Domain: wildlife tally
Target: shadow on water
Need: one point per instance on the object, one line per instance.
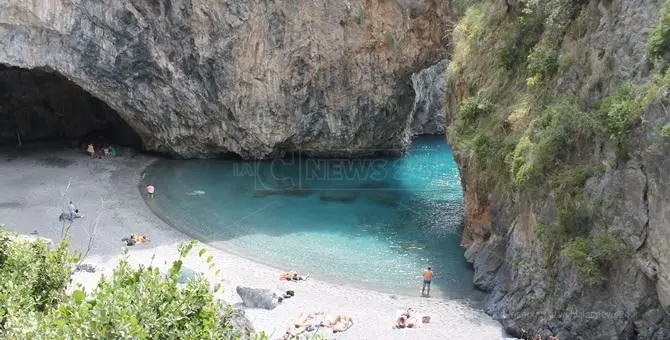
(399, 213)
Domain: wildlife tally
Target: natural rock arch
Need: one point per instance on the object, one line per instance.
(39, 105)
(199, 77)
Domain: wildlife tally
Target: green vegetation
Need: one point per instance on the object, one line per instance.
(665, 131)
(619, 112)
(589, 256)
(130, 304)
(522, 129)
(568, 183)
(573, 221)
(550, 139)
(658, 44)
(33, 279)
(472, 109)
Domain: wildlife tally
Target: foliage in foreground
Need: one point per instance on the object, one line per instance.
(130, 304)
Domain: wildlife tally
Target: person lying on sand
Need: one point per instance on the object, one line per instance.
(337, 322)
(300, 325)
(406, 318)
(292, 276)
(136, 238)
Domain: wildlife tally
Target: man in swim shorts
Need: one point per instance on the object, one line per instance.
(427, 277)
(150, 190)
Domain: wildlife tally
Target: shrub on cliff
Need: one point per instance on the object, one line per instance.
(590, 255)
(130, 304)
(658, 44)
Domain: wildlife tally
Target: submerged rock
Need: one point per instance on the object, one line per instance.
(337, 195)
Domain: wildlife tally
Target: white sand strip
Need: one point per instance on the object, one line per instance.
(37, 185)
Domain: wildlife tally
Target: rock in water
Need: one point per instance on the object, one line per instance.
(254, 78)
(428, 117)
(258, 298)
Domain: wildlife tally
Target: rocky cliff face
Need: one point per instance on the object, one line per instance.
(257, 78)
(428, 116)
(537, 258)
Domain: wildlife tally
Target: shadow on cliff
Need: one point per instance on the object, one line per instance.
(42, 108)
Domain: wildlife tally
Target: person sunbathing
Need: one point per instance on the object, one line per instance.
(406, 319)
(300, 325)
(136, 238)
(292, 276)
(338, 322)
(411, 322)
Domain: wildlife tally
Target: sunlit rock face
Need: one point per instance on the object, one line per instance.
(428, 116)
(257, 78)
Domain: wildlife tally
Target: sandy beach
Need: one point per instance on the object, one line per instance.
(37, 185)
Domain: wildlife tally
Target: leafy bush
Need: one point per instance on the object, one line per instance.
(543, 61)
(519, 41)
(130, 304)
(34, 279)
(665, 131)
(619, 112)
(659, 39)
(141, 304)
(589, 256)
(566, 182)
(574, 221)
(558, 131)
(474, 108)
(575, 218)
(578, 253)
(521, 163)
(608, 247)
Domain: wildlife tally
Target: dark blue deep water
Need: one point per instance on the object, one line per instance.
(369, 222)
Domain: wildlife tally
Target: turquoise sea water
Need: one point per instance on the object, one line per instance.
(373, 222)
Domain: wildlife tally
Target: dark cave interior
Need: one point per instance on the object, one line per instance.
(39, 106)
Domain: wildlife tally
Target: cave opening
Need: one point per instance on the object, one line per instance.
(38, 106)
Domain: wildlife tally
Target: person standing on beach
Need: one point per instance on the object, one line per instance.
(72, 210)
(91, 150)
(150, 190)
(427, 277)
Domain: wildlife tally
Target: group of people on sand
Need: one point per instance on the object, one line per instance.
(292, 276)
(305, 322)
(101, 150)
(407, 319)
(136, 238)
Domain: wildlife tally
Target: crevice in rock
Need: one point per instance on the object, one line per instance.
(645, 199)
(41, 106)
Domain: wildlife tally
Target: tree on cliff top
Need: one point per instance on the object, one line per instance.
(130, 304)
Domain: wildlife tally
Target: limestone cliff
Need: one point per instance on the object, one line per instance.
(197, 78)
(428, 116)
(558, 113)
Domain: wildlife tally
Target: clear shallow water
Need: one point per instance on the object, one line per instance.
(375, 222)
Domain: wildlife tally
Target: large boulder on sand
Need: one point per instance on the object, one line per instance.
(258, 298)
